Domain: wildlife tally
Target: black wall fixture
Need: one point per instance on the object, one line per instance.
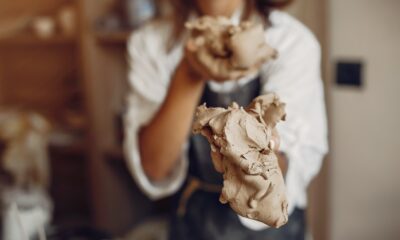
(349, 73)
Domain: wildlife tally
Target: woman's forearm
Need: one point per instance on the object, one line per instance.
(162, 140)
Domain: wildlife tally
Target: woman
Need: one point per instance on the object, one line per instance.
(166, 88)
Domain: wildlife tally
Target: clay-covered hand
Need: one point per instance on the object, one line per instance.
(222, 51)
(243, 148)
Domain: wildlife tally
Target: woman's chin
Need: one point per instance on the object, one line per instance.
(218, 7)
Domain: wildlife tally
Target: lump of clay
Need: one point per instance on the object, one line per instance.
(225, 51)
(242, 149)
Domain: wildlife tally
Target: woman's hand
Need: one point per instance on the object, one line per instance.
(205, 63)
(220, 51)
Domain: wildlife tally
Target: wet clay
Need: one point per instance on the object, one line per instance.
(243, 144)
(225, 51)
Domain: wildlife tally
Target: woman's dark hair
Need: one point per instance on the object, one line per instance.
(181, 10)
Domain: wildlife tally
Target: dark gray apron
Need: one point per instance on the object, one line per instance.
(205, 218)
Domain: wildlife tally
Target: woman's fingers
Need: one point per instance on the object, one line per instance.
(265, 53)
(216, 68)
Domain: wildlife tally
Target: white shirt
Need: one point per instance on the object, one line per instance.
(295, 76)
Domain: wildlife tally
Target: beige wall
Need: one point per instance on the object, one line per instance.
(365, 184)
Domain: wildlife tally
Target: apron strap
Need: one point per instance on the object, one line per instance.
(193, 185)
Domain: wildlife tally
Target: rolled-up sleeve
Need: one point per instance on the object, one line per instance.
(148, 80)
(296, 77)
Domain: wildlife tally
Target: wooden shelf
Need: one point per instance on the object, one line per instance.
(113, 37)
(34, 40)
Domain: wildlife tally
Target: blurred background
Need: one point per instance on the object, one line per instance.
(63, 77)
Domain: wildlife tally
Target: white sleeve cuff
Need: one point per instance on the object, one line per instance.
(252, 224)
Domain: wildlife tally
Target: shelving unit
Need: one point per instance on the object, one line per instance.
(30, 39)
(45, 75)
